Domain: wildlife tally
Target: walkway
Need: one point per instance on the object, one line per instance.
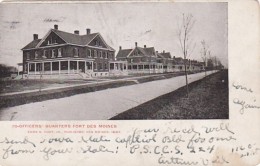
(99, 105)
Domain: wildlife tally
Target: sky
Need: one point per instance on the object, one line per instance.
(154, 24)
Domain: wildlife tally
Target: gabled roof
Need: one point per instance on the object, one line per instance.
(74, 38)
(165, 55)
(69, 38)
(149, 50)
(178, 60)
(32, 44)
(123, 53)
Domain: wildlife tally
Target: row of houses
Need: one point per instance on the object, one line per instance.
(88, 55)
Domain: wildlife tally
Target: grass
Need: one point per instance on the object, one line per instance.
(37, 96)
(208, 99)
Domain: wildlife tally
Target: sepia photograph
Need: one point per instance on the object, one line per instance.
(114, 61)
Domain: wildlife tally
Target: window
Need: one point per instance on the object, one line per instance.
(76, 52)
(92, 53)
(100, 54)
(27, 55)
(52, 53)
(95, 53)
(89, 53)
(36, 55)
(100, 66)
(44, 54)
(59, 52)
(106, 66)
(105, 55)
(95, 65)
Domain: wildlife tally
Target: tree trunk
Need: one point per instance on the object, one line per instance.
(186, 75)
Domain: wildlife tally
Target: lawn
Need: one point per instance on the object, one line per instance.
(208, 99)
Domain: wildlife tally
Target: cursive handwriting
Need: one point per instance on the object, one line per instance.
(24, 141)
(10, 151)
(95, 139)
(221, 127)
(136, 138)
(61, 19)
(176, 160)
(242, 88)
(51, 151)
(91, 149)
(245, 105)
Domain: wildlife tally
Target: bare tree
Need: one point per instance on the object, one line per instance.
(186, 43)
(205, 54)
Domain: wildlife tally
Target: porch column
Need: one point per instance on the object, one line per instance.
(77, 66)
(35, 68)
(92, 66)
(143, 66)
(59, 67)
(85, 66)
(68, 66)
(18, 70)
(28, 68)
(43, 67)
(51, 67)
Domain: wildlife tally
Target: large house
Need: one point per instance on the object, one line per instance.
(167, 61)
(62, 53)
(140, 59)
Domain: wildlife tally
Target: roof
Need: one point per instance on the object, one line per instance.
(32, 44)
(178, 60)
(123, 53)
(165, 55)
(69, 38)
(74, 38)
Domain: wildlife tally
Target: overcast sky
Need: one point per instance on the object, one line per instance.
(120, 24)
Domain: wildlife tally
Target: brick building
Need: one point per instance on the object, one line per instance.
(63, 53)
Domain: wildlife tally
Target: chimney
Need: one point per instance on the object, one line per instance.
(163, 51)
(76, 32)
(144, 46)
(88, 31)
(120, 48)
(157, 52)
(136, 44)
(173, 57)
(56, 26)
(35, 36)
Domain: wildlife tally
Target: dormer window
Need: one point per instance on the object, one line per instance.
(59, 52)
(76, 52)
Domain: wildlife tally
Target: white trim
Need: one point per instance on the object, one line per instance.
(50, 46)
(98, 34)
(44, 38)
(59, 59)
(130, 52)
(96, 47)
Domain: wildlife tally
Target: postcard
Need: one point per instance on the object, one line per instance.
(129, 83)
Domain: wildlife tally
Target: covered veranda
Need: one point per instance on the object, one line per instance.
(145, 67)
(58, 66)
